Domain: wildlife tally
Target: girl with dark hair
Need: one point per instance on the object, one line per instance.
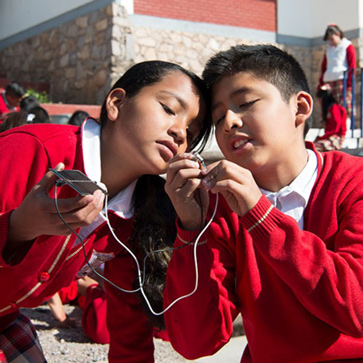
(155, 111)
(339, 57)
(334, 119)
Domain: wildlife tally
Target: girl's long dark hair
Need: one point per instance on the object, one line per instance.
(154, 230)
(154, 215)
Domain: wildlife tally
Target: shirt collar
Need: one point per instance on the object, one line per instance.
(121, 203)
(302, 184)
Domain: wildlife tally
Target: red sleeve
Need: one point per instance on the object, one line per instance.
(131, 332)
(343, 126)
(322, 71)
(200, 324)
(68, 293)
(94, 315)
(327, 281)
(19, 153)
(351, 60)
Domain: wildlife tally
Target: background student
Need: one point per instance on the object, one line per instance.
(334, 119)
(10, 98)
(339, 57)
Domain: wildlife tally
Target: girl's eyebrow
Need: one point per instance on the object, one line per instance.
(176, 96)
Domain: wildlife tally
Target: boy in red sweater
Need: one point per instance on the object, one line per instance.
(285, 248)
(10, 98)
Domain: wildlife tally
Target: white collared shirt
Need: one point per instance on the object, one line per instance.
(121, 203)
(293, 198)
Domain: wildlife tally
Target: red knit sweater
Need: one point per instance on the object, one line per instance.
(300, 293)
(26, 154)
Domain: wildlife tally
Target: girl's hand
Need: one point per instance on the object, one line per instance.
(235, 183)
(37, 214)
(183, 185)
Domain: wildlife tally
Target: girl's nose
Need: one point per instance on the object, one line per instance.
(178, 131)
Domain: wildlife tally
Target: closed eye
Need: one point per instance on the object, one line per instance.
(242, 106)
(168, 110)
(247, 104)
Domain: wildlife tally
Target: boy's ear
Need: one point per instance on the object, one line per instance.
(304, 107)
(114, 101)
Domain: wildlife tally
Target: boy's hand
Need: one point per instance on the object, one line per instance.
(183, 185)
(37, 214)
(235, 183)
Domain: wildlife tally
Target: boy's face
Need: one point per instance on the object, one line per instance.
(255, 127)
(13, 100)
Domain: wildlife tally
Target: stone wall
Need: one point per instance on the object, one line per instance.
(83, 58)
(78, 59)
(191, 50)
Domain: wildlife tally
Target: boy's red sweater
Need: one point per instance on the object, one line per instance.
(300, 293)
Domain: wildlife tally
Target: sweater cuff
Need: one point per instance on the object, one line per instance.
(185, 237)
(262, 218)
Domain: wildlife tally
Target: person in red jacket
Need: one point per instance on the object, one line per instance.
(334, 119)
(285, 247)
(10, 98)
(339, 57)
(91, 297)
(49, 233)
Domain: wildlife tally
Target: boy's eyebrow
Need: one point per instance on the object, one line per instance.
(236, 92)
(176, 96)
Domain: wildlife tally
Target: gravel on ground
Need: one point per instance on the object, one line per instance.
(62, 345)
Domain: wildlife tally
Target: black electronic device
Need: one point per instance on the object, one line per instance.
(77, 180)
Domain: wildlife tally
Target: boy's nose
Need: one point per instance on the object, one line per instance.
(232, 121)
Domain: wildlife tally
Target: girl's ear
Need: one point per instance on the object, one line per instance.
(114, 101)
(304, 103)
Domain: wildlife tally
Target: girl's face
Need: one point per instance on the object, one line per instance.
(334, 39)
(158, 123)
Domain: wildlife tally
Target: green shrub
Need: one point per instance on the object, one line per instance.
(42, 96)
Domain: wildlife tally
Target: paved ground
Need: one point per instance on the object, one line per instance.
(62, 345)
(230, 353)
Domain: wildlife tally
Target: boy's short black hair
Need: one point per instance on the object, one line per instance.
(266, 62)
(15, 89)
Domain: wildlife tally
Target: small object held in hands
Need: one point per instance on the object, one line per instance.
(200, 160)
(78, 181)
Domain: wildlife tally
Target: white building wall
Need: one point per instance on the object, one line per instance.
(19, 15)
(309, 18)
(26, 14)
